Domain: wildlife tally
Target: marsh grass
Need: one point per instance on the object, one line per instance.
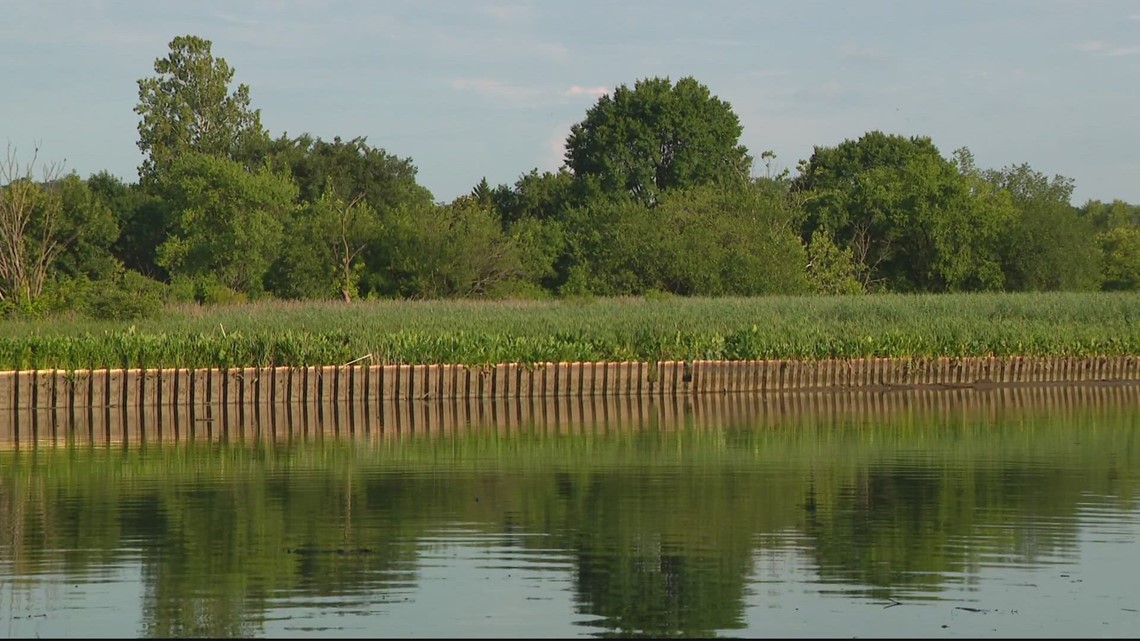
(480, 332)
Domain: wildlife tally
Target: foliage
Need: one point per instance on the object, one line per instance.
(188, 108)
(1049, 246)
(831, 270)
(655, 197)
(657, 136)
(226, 222)
(129, 296)
(347, 170)
(911, 220)
(1105, 216)
(91, 227)
(539, 196)
(458, 249)
(1121, 247)
(322, 253)
(141, 219)
(39, 223)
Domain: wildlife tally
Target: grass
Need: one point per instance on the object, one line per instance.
(479, 332)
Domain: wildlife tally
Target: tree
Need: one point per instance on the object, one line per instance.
(226, 222)
(345, 169)
(322, 253)
(701, 241)
(457, 249)
(188, 107)
(1121, 247)
(141, 220)
(1105, 216)
(32, 229)
(910, 219)
(542, 196)
(91, 226)
(831, 270)
(1049, 246)
(658, 136)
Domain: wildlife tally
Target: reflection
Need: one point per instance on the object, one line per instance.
(663, 508)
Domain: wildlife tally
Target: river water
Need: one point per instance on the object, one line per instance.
(956, 513)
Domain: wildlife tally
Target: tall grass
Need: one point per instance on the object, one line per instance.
(480, 332)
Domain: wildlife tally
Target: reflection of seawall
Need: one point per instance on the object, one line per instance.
(349, 416)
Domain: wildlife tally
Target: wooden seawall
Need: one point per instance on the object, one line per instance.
(61, 389)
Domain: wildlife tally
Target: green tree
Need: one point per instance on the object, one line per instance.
(1121, 247)
(92, 228)
(912, 221)
(707, 240)
(542, 196)
(1105, 216)
(322, 252)
(345, 169)
(831, 270)
(457, 249)
(141, 218)
(658, 136)
(1049, 245)
(226, 222)
(189, 107)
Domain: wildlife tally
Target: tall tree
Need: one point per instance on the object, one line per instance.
(658, 136)
(189, 107)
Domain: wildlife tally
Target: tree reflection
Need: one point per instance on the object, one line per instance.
(662, 526)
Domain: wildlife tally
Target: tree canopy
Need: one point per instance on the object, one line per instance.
(658, 136)
(189, 107)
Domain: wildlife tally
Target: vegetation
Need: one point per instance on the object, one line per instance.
(656, 196)
(480, 332)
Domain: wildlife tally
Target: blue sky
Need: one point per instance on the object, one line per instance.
(472, 89)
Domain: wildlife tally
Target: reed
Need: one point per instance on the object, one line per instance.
(615, 329)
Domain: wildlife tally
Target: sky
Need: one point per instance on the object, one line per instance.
(471, 89)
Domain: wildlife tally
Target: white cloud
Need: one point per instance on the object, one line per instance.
(1124, 51)
(1105, 49)
(596, 92)
(496, 89)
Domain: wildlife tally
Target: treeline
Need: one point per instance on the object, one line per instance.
(656, 195)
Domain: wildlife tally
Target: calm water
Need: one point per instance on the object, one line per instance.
(958, 513)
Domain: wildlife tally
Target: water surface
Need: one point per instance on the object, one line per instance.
(957, 513)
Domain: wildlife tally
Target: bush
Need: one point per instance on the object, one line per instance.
(131, 297)
(204, 290)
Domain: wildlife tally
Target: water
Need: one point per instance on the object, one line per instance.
(911, 514)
